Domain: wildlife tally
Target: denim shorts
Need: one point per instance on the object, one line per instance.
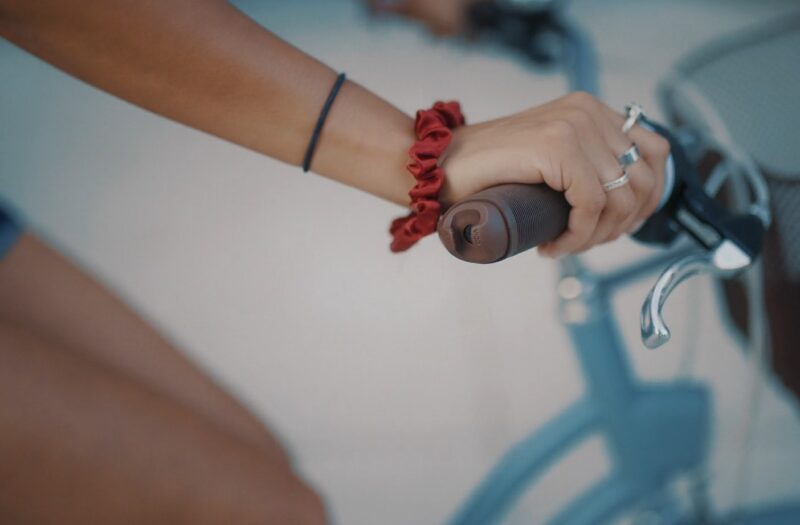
(10, 230)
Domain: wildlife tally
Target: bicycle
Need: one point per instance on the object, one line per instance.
(656, 433)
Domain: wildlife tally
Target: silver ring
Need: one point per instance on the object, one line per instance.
(630, 156)
(618, 182)
(634, 114)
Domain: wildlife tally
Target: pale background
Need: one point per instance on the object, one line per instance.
(397, 379)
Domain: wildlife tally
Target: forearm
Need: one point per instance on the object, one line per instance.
(207, 65)
(203, 63)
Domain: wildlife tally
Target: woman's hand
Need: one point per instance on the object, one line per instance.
(571, 144)
(442, 17)
(195, 50)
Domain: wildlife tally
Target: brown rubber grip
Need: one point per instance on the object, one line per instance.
(502, 221)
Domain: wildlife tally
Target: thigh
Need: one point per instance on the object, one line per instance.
(41, 291)
(81, 443)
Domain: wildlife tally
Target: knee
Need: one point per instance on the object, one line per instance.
(310, 508)
(298, 504)
(284, 502)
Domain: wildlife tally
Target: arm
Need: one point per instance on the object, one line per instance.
(207, 65)
(203, 63)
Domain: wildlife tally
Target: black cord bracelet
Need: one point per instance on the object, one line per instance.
(312, 145)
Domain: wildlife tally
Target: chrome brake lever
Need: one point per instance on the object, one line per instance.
(726, 260)
(730, 241)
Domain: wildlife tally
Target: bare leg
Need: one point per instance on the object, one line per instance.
(81, 443)
(44, 294)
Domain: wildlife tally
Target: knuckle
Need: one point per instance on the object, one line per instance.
(596, 202)
(580, 117)
(582, 99)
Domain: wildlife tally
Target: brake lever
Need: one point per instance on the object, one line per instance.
(725, 261)
(730, 241)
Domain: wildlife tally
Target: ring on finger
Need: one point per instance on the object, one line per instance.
(634, 113)
(619, 182)
(629, 156)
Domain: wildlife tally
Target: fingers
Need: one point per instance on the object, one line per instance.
(621, 210)
(621, 203)
(654, 150)
(643, 184)
(646, 177)
(599, 132)
(583, 191)
(649, 170)
(574, 145)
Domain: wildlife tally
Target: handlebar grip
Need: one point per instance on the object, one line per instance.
(504, 220)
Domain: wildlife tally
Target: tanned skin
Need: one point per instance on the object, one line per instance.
(102, 420)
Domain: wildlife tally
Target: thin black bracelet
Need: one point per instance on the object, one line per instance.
(312, 145)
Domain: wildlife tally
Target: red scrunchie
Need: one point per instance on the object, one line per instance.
(433, 136)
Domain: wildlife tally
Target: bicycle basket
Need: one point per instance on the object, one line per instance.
(752, 81)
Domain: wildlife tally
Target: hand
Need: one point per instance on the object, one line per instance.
(442, 17)
(571, 144)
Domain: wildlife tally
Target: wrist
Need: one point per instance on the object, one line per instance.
(365, 145)
(459, 162)
(453, 163)
(434, 132)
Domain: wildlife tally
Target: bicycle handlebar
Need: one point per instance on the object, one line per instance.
(504, 220)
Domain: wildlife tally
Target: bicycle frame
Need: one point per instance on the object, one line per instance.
(653, 431)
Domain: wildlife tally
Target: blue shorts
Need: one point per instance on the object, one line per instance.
(10, 231)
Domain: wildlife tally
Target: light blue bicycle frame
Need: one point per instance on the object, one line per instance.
(654, 432)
